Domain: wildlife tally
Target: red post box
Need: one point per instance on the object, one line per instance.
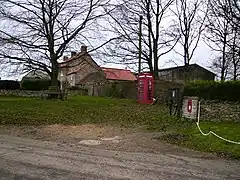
(145, 88)
(189, 108)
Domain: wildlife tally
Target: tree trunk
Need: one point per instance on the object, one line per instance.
(186, 73)
(150, 65)
(234, 57)
(152, 69)
(234, 66)
(222, 74)
(224, 58)
(54, 76)
(54, 79)
(54, 89)
(235, 74)
(155, 41)
(155, 74)
(155, 59)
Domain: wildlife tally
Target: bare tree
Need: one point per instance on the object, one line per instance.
(36, 33)
(231, 68)
(232, 13)
(222, 37)
(191, 15)
(218, 32)
(223, 70)
(234, 52)
(157, 39)
(230, 9)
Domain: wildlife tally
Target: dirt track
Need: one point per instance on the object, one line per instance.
(24, 158)
(129, 140)
(121, 154)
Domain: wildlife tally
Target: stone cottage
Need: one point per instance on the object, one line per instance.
(81, 70)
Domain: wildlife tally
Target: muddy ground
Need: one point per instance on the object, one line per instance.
(110, 137)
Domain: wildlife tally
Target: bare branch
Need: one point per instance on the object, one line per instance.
(156, 40)
(191, 16)
(36, 33)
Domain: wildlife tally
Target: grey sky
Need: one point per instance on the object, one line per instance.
(202, 56)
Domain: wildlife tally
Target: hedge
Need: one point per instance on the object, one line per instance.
(36, 85)
(214, 90)
(9, 85)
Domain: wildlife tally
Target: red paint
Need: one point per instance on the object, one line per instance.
(145, 88)
(119, 74)
(189, 106)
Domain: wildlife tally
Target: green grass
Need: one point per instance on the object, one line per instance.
(120, 112)
(211, 143)
(80, 110)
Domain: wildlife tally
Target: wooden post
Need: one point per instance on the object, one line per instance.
(140, 45)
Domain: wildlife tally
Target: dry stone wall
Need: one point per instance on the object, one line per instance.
(220, 111)
(23, 93)
(216, 111)
(26, 93)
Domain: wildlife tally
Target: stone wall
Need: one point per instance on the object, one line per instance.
(220, 111)
(190, 110)
(85, 70)
(216, 111)
(162, 87)
(82, 65)
(129, 89)
(23, 93)
(26, 93)
(117, 89)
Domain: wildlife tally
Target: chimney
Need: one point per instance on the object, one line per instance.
(83, 48)
(65, 58)
(73, 53)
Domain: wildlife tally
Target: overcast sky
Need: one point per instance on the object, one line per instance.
(202, 56)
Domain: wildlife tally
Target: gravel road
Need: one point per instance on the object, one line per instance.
(28, 159)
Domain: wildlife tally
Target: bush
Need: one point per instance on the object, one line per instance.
(9, 85)
(36, 85)
(213, 90)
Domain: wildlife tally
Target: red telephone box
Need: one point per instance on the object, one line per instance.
(145, 88)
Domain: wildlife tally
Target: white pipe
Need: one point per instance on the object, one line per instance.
(210, 132)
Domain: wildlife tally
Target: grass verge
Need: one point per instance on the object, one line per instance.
(121, 112)
(80, 110)
(189, 136)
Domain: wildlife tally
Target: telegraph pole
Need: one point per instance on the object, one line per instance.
(140, 45)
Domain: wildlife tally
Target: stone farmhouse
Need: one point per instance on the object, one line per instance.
(81, 70)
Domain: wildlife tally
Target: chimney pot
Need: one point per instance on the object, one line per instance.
(73, 53)
(83, 48)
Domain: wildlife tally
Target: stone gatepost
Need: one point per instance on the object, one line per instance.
(190, 107)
